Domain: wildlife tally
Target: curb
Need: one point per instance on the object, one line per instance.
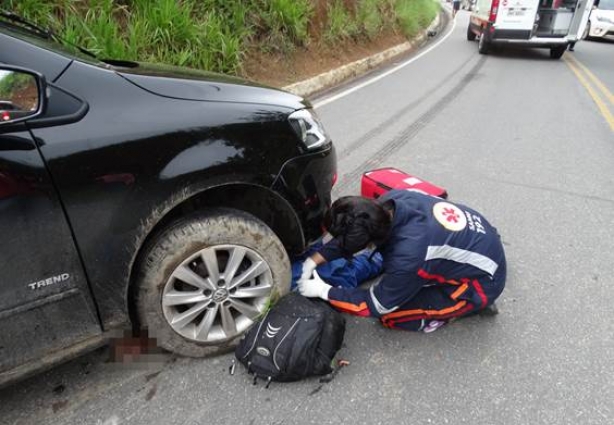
(336, 76)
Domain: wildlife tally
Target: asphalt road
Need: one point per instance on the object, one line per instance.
(514, 134)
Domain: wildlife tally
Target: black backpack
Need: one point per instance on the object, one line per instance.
(297, 338)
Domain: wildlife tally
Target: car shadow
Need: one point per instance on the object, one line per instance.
(511, 52)
(601, 40)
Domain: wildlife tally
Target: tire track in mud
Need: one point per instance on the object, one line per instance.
(403, 137)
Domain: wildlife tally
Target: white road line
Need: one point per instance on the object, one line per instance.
(385, 74)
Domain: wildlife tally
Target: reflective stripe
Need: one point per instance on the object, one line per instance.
(353, 308)
(446, 252)
(380, 308)
(404, 316)
(460, 291)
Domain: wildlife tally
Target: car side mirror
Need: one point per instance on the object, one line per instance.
(22, 94)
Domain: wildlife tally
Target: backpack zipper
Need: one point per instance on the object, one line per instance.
(256, 336)
(281, 342)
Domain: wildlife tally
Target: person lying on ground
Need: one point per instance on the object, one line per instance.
(441, 260)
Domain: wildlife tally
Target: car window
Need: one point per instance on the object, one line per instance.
(61, 103)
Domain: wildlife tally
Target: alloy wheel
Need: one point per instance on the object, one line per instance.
(217, 293)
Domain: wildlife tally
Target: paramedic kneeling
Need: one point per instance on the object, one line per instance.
(441, 260)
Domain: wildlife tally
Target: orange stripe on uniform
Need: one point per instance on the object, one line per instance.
(460, 291)
(457, 313)
(360, 310)
(425, 313)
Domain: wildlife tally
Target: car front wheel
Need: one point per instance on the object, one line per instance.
(587, 31)
(206, 278)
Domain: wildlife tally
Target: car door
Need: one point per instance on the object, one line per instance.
(45, 303)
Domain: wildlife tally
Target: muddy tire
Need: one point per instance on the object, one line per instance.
(205, 278)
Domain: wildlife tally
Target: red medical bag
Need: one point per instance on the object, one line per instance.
(377, 182)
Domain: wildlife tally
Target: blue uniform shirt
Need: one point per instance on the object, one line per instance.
(432, 241)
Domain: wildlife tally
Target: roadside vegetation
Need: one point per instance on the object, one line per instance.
(217, 35)
(13, 82)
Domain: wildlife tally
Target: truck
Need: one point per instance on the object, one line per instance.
(550, 24)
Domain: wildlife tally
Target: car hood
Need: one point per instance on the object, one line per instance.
(192, 84)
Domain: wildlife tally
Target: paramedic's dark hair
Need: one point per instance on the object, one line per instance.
(355, 221)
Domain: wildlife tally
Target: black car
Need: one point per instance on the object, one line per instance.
(137, 196)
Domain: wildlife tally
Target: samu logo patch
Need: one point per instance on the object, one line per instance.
(450, 216)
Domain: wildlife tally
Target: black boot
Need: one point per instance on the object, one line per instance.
(491, 310)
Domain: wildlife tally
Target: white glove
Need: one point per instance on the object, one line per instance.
(314, 287)
(308, 267)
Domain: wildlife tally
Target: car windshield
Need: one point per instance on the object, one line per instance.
(606, 5)
(19, 28)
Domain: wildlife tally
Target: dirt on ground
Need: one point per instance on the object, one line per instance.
(279, 70)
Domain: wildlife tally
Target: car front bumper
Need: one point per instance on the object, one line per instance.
(306, 182)
(601, 29)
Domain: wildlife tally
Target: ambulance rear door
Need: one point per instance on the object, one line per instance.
(517, 16)
(580, 19)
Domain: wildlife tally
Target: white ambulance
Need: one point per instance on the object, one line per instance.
(551, 24)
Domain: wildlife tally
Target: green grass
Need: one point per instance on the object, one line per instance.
(341, 24)
(370, 17)
(289, 17)
(279, 25)
(215, 34)
(13, 82)
(413, 15)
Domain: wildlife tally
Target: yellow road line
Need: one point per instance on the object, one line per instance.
(594, 79)
(600, 103)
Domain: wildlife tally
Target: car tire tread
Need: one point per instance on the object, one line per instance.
(172, 245)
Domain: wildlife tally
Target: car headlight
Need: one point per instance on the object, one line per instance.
(605, 19)
(309, 129)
